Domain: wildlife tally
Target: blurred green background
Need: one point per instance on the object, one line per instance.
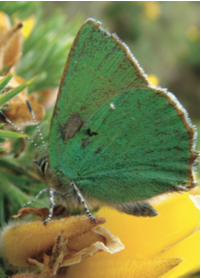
(163, 35)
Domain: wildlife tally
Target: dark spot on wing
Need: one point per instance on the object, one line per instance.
(72, 126)
(90, 133)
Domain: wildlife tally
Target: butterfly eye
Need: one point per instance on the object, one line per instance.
(41, 164)
(44, 166)
(90, 133)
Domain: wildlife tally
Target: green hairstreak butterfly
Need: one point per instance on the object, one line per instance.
(114, 140)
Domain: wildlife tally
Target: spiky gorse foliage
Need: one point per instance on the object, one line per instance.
(46, 48)
(5, 97)
(31, 46)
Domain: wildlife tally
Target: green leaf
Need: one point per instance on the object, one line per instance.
(10, 134)
(4, 81)
(2, 274)
(2, 140)
(21, 9)
(12, 93)
(46, 50)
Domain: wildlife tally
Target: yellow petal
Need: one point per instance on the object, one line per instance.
(153, 79)
(27, 240)
(152, 9)
(193, 33)
(147, 237)
(117, 266)
(28, 26)
(189, 249)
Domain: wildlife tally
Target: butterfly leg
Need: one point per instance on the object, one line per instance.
(51, 195)
(76, 190)
(46, 190)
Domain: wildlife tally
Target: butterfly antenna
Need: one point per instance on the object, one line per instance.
(20, 131)
(36, 124)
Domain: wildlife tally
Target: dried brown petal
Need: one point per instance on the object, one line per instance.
(17, 110)
(10, 42)
(112, 245)
(42, 212)
(45, 97)
(36, 238)
(27, 275)
(60, 250)
(59, 211)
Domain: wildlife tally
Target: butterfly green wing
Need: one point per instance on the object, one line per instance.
(117, 138)
(142, 146)
(98, 67)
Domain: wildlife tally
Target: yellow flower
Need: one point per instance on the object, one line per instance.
(165, 245)
(152, 9)
(153, 246)
(28, 25)
(193, 33)
(153, 79)
(58, 244)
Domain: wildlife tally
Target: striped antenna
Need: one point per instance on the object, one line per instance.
(19, 130)
(36, 124)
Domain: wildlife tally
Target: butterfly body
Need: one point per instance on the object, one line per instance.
(115, 139)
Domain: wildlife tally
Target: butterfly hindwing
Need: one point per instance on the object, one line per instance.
(140, 148)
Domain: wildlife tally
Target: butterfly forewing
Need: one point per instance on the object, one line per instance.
(99, 66)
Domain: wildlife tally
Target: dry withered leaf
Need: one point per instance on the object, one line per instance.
(60, 250)
(46, 97)
(103, 241)
(17, 110)
(10, 51)
(25, 234)
(77, 243)
(42, 212)
(10, 43)
(27, 275)
(59, 244)
(73, 250)
(59, 211)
